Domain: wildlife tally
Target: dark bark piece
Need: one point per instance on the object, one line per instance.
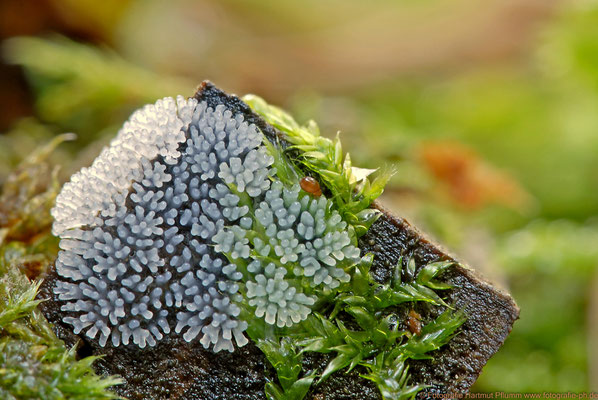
(490, 312)
(175, 369)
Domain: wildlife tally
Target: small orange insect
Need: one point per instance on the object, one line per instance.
(311, 186)
(414, 322)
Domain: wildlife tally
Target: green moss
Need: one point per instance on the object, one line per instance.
(351, 190)
(359, 326)
(34, 363)
(357, 323)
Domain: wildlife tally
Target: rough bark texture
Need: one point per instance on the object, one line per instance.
(175, 369)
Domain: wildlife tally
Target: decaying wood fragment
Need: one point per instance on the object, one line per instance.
(176, 369)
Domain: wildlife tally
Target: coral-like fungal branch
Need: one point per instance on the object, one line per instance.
(182, 218)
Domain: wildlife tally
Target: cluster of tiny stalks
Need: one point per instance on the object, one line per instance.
(181, 223)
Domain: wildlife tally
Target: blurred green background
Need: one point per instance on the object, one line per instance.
(489, 110)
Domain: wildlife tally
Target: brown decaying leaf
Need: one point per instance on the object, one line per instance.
(470, 181)
(28, 195)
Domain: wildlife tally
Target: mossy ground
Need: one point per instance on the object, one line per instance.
(34, 363)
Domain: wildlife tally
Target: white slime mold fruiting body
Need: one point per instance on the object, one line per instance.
(148, 230)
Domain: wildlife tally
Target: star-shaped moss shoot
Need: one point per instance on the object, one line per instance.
(181, 223)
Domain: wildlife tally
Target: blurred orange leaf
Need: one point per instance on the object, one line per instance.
(469, 180)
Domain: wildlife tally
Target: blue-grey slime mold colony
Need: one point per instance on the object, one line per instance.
(179, 222)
